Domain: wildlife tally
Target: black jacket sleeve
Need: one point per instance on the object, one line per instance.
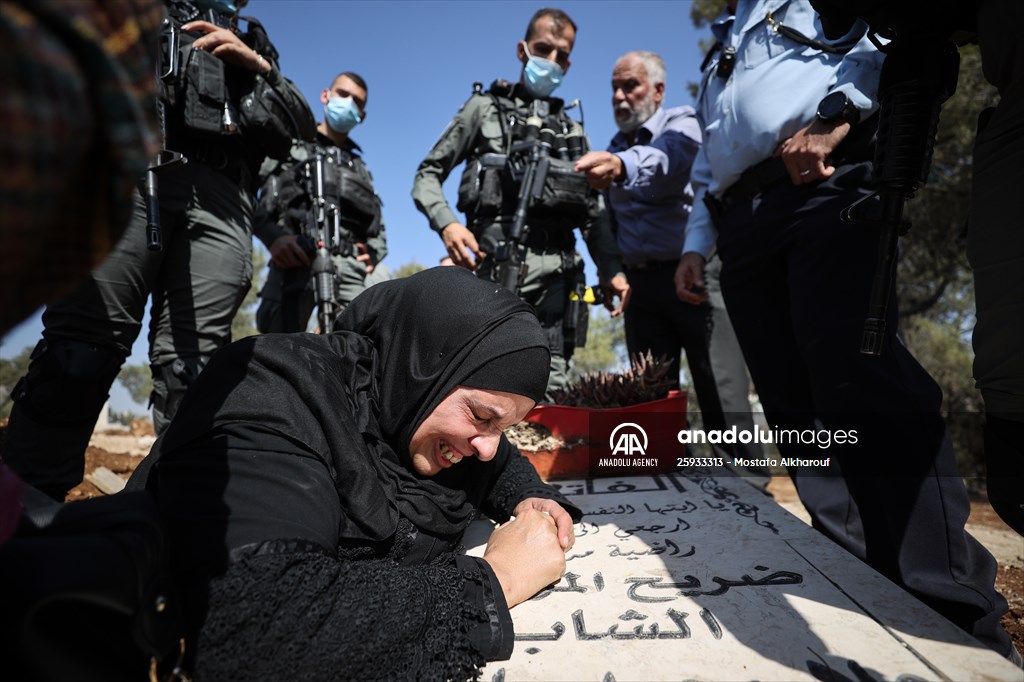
(285, 611)
(516, 481)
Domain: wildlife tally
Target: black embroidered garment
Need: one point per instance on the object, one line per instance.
(306, 546)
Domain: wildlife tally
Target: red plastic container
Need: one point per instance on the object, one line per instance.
(572, 423)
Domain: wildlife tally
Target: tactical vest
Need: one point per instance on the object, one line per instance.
(204, 98)
(489, 188)
(346, 183)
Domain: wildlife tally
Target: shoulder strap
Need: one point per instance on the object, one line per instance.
(500, 93)
(257, 39)
(798, 37)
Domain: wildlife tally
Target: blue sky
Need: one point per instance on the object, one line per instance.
(420, 59)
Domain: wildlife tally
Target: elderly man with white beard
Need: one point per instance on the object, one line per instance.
(645, 174)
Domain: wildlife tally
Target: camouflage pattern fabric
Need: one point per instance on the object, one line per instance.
(79, 128)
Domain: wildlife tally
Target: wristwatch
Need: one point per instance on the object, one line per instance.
(837, 107)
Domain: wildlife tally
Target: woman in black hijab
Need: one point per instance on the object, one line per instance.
(316, 488)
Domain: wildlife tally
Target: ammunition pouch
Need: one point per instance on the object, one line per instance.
(484, 186)
(359, 203)
(204, 95)
(490, 187)
(205, 92)
(564, 198)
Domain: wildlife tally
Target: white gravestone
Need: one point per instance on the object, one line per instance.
(704, 578)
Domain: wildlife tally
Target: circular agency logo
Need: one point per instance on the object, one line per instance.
(628, 439)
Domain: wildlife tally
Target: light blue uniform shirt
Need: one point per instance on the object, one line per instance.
(653, 201)
(773, 92)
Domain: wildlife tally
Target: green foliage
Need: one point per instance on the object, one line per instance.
(244, 322)
(10, 372)
(934, 278)
(935, 285)
(703, 12)
(409, 269)
(606, 345)
(704, 44)
(138, 380)
(124, 418)
(947, 356)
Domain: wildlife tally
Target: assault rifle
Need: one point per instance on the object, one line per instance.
(535, 148)
(919, 73)
(167, 73)
(324, 231)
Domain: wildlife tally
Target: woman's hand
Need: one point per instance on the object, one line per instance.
(563, 521)
(525, 554)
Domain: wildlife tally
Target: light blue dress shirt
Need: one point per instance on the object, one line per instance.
(773, 92)
(653, 201)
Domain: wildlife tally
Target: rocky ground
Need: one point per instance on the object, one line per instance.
(119, 450)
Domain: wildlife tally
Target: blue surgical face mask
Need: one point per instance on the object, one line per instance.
(342, 114)
(541, 76)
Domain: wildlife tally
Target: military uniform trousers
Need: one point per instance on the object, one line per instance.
(544, 288)
(796, 280)
(198, 281)
(287, 298)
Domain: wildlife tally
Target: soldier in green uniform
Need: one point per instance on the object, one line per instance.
(485, 134)
(226, 106)
(288, 212)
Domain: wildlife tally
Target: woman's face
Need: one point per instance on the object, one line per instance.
(467, 423)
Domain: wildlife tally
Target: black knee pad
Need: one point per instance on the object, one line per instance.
(68, 381)
(170, 382)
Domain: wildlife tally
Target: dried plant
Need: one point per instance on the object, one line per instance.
(647, 379)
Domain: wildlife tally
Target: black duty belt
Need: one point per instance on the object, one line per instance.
(221, 159)
(651, 265)
(756, 180)
(543, 237)
(858, 146)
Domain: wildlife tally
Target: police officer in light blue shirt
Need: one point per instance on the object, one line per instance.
(767, 100)
(786, 147)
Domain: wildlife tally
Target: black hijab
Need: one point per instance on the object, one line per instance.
(437, 329)
(355, 397)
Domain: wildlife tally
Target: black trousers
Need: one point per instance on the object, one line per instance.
(657, 321)
(796, 280)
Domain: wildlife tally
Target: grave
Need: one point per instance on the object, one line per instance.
(702, 577)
